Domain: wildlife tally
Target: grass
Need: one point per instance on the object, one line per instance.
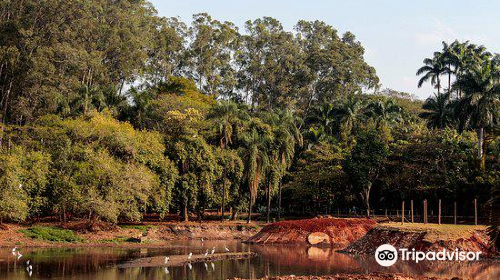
(51, 234)
(437, 232)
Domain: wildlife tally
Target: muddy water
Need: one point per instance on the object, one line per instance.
(100, 263)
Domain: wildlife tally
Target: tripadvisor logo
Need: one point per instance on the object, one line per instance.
(387, 255)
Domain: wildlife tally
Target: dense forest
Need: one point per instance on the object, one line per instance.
(111, 112)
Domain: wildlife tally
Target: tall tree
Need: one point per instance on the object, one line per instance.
(254, 154)
(212, 47)
(433, 69)
(439, 111)
(479, 108)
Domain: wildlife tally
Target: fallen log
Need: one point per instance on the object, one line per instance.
(181, 260)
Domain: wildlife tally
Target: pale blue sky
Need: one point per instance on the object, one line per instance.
(397, 34)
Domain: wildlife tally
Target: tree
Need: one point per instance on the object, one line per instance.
(365, 163)
(439, 111)
(334, 65)
(213, 44)
(254, 154)
(226, 115)
(433, 68)
(479, 108)
(54, 53)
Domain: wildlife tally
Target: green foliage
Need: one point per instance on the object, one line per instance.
(51, 234)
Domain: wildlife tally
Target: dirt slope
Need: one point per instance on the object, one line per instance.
(423, 238)
(337, 231)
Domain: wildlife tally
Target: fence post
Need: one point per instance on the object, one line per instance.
(411, 207)
(475, 211)
(439, 213)
(403, 213)
(455, 212)
(425, 211)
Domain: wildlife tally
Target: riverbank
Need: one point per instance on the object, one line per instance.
(371, 276)
(424, 237)
(152, 234)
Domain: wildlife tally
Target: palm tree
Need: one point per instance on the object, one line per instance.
(433, 68)
(226, 115)
(286, 137)
(348, 114)
(324, 116)
(439, 111)
(384, 111)
(479, 108)
(449, 59)
(255, 158)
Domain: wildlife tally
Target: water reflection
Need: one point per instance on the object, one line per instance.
(100, 263)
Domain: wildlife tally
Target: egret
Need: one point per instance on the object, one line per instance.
(190, 266)
(213, 251)
(28, 262)
(206, 266)
(227, 250)
(166, 260)
(190, 255)
(30, 267)
(166, 271)
(202, 240)
(19, 256)
(13, 250)
(206, 253)
(213, 266)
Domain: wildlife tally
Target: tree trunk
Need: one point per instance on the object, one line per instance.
(449, 82)
(268, 202)
(223, 199)
(249, 219)
(366, 198)
(279, 202)
(185, 216)
(480, 141)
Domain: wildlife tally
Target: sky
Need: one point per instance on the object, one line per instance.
(397, 34)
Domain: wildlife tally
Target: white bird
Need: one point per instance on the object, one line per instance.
(213, 266)
(19, 256)
(227, 250)
(28, 262)
(30, 267)
(202, 240)
(213, 251)
(206, 266)
(20, 186)
(13, 250)
(190, 266)
(166, 271)
(190, 255)
(206, 253)
(166, 260)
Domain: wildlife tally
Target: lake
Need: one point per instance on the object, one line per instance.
(271, 260)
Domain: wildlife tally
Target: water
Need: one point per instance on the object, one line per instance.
(272, 260)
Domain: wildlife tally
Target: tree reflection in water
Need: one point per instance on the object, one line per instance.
(99, 263)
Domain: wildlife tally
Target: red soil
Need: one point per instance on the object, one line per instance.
(340, 231)
(477, 241)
